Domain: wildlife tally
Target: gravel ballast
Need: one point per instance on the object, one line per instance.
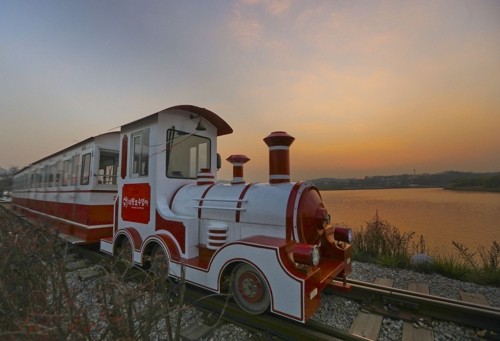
(339, 312)
(335, 311)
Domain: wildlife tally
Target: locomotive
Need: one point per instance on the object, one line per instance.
(149, 195)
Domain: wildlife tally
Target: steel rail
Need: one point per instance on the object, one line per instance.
(267, 323)
(204, 300)
(441, 308)
(437, 307)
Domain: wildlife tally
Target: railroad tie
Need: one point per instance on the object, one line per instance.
(474, 298)
(195, 330)
(413, 331)
(367, 324)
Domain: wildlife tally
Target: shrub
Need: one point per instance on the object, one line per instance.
(37, 301)
(483, 269)
(380, 241)
(383, 243)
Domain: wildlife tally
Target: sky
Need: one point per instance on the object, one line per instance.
(365, 87)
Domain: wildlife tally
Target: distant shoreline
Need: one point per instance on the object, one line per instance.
(473, 189)
(457, 189)
(450, 180)
(369, 188)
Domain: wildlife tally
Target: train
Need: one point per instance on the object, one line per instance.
(149, 194)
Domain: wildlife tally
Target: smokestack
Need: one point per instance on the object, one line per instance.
(279, 143)
(238, 161)
(205, 177)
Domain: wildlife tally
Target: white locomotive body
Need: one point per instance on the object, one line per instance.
(273, 239)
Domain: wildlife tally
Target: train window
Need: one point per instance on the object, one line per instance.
(85, 175)
(140, 150)
(186, 154)
(57, 179)
(74, 169)
(38, 179)
(52, 170)
(45, 176)
(108, 165)
(66, 172)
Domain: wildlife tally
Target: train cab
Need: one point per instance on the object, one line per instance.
(161, 153)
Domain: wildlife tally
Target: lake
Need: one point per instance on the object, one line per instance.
(441, 216)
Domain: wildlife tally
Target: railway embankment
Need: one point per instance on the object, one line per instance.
(48, 291)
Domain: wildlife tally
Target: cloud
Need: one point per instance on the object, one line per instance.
(245, 28)
(276, 7)
(250, 20)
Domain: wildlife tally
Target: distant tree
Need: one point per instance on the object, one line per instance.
(492, 181)
(6, 177)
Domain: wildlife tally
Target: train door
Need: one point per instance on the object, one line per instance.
(135, 187)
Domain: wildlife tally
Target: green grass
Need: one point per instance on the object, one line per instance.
(382, 243)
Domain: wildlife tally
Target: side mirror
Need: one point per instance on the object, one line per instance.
(219, 161)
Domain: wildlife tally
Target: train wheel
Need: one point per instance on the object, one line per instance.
(159, 262)
(125, 253)
(250, 290)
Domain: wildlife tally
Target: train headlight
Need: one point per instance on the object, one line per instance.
(343, 234)
(306, 254)
(315, 256)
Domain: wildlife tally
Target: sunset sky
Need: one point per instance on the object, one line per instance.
(365, 87)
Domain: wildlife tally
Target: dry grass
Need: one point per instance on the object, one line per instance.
(38, 303)
(383, 243)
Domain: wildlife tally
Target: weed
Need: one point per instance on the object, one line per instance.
(383, 243)
(483, 269)
(491, 256)
(34, 297)
(37, 301)
(467, 256)
(449, 265)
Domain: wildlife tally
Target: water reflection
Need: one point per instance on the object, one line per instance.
(441, 216)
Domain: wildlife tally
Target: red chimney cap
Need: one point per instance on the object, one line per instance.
(238, 158)
(279, 138)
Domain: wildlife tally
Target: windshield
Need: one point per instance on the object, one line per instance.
(186, 154)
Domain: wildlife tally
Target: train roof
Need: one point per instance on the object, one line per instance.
(222, 126)
(86, 141)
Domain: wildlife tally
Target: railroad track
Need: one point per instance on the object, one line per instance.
(266, 324)
(406, 305)
(376, 299)
(418, 310)
(409, 306)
